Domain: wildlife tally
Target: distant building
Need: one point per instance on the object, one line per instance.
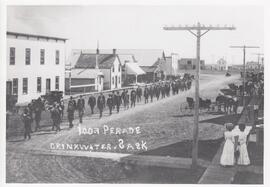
(152, 74)
(189, 64)
(147, 61)
(35, 65)
(83, 80)
(168, 64)
(130, 69)
(222, 64)
(108, 64)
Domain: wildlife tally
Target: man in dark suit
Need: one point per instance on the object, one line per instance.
(27, 120)
(110, 103)
(146, 94)
(92, 102)
(81, 107)
(101, 104)
(118, 101)
(70, 110)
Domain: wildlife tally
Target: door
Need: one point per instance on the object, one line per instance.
(48, 85)
(9, 88)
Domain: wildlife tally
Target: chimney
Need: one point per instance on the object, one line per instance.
(114, 51)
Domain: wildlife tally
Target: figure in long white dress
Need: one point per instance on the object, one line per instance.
(242, 146)
(227, 157)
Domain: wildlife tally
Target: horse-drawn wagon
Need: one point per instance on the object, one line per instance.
(187, 108)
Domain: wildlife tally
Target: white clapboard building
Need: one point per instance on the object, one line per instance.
(35, 65)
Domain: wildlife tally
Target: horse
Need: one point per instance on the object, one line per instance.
(222, 100)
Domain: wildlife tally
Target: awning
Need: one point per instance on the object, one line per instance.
(134, 69)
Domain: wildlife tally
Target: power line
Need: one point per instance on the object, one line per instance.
(198, 34)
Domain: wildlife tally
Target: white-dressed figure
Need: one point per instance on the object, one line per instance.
(227, 157)
(242, 145)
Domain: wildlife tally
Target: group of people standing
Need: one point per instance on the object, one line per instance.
(235, 147)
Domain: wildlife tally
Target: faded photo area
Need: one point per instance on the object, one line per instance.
(135, 94)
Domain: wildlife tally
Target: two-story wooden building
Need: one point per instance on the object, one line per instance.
(35, 65)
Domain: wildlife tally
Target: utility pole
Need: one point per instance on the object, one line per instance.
(199, 28)
(244, 47)
(259, 57)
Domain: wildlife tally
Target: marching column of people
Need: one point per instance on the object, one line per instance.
(114, 101)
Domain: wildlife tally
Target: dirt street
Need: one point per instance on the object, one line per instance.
(160, 123)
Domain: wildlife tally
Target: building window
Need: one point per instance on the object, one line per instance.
(113, 68)
(57, 56)
(119, 80)
(27, 56)
(57, 82)
(112, 80)
(42, 56)
(189, 62)
(25, 85)
(119, 67)
(12, 56)
(39, 84)
(15, 86)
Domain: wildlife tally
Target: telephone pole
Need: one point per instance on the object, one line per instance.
(259, 57)
(244, 47)
(198, 34)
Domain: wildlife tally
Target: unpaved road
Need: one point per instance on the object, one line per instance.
(159, 123)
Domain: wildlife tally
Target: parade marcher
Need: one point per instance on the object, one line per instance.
(110, 103)
(30, 111)
(146, 94)
(227, 156)
(27, 120)
(81, 107)
(158, 91)
(139, 94)
(100, 104)
(133, 98)
(104, 104)
(70, 110)
(38, 110)
(113, 99)
(118, 101)
(124, 97)
(162, 91)
(62, 105)
(92, 102)
(56, 116)
(151, 93)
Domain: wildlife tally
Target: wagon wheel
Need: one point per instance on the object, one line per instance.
(186, 109)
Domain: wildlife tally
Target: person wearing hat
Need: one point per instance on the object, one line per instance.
(92, 103)
(70, 110)
(110, 103)
(56, 116)
(118, 101)
(27, 120)
(100, 103)
(81, 107)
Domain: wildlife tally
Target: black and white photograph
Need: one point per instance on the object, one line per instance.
(133, 93)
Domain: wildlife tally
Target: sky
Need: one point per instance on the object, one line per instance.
(140, 27)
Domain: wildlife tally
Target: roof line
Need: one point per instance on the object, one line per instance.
(35, 35)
